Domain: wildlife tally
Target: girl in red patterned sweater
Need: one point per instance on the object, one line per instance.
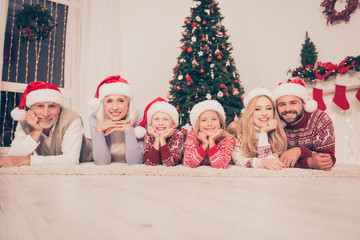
(260, 137)
(163, 142)
(208, 143)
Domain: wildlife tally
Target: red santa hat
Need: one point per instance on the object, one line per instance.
(157, 105)
(37, 92)
(295, 87)
(110, 85)
(257, 92)
(207, 105)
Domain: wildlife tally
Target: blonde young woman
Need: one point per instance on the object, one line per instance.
(113, 124)
(260, 136)
(208, 143)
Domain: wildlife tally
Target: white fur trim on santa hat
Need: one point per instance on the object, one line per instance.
(257, 92)
(139, 132)
(44, 95)
(163, 107)
(294, 89)
(203, 106)
(18, 115)
(117, 88)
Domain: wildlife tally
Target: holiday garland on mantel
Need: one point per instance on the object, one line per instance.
(334, 16)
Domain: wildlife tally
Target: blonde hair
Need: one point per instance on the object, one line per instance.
(131, 114)
(246, 128)
(222, 126)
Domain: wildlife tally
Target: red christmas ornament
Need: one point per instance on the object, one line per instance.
(194, 25)
(188, 83)
(186, 22)
(170, 81)
(189, 50)
(177, 108)
(204, 22)
(242, 98)
(187, 77)
(219, 57)
(178, 88)
(182, 48)
(203, 39)
(196, 96)
(224, 70)
(209, 59)
(202, 70)
(223, 46)
(218, 52)
(212, 11)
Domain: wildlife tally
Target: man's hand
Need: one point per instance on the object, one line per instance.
(321, 161)
(33, 120)
(290, 157)
(14, 161)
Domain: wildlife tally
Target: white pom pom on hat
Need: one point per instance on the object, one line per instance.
(157, 105)
(203, 106)
(110, 85)
(295, 87)
(37, 92)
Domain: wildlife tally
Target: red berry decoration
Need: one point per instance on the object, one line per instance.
(189, 50)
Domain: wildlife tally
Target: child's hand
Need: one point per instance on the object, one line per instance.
(203, 138)
(152, 132)
(271, 126)
(169, 132)
(216, 135)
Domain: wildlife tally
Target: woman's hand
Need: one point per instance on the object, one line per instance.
(271, 126)
(272, 164)
(109, 126)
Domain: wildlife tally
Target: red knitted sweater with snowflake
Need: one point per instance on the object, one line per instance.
(219, 156)
(169, 155)
(314, 133)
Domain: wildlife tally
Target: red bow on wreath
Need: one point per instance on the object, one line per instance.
(343, 69)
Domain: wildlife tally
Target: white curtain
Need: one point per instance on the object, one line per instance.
(3, 18)
(92, 51)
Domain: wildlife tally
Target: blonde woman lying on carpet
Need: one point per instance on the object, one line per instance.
(113, 124)
(260, 137)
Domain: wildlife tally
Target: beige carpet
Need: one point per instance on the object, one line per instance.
(339, 171)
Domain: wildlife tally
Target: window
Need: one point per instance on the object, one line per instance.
(28, 61)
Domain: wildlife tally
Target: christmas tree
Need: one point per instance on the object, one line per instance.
(308, 52)
(205, 68)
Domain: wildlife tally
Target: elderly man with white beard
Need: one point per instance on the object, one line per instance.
(47, 133)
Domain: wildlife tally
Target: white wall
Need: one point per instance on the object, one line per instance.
(267, 36)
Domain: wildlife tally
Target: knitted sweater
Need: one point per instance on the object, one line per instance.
(262, 145)
(314, 133)
(219, 156)
(170, 154)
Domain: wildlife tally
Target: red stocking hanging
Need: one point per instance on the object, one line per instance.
(318, 97)
(340, 97)
(358, 94)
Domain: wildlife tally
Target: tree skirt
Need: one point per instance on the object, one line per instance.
(339, 171)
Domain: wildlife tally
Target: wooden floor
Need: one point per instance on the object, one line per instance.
(140, 207)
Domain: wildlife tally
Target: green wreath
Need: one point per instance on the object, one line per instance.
(35, 22)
